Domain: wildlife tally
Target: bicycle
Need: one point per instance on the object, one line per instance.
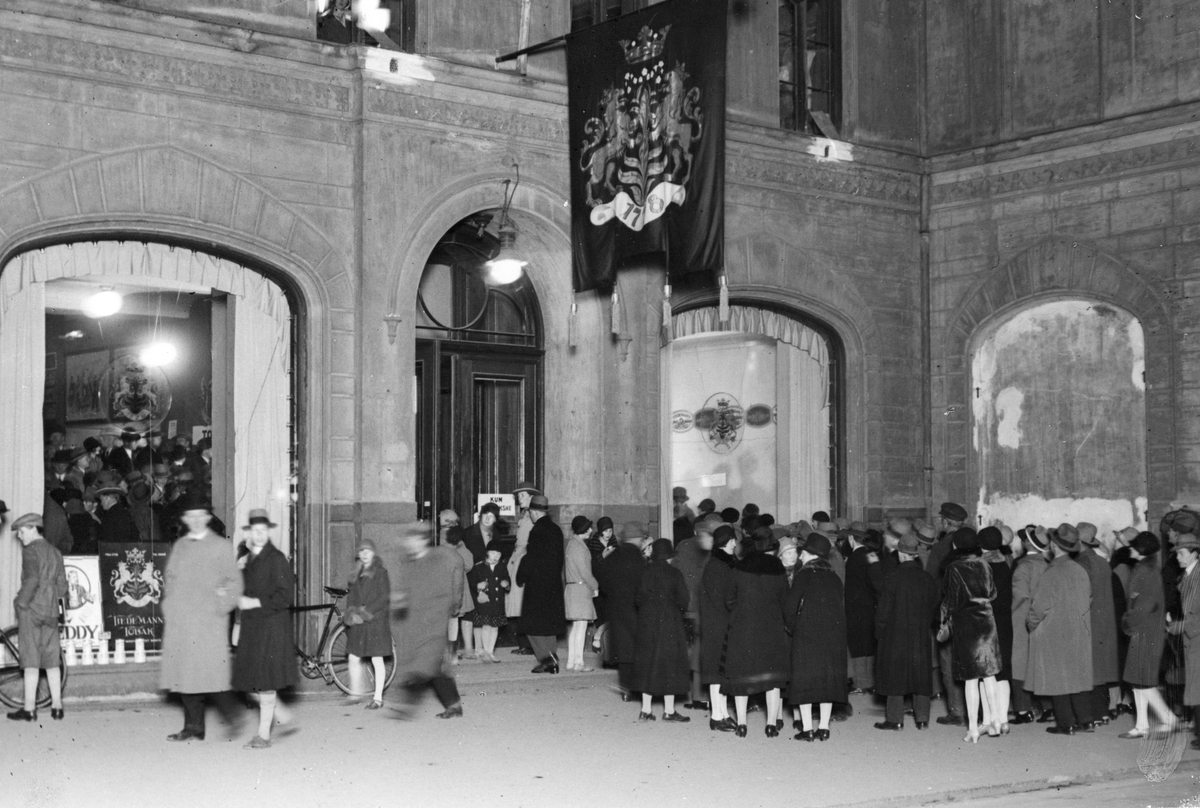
(330, 661)
(12, 676)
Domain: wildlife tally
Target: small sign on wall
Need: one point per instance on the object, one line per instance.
(713, 480)
(506, 502)
(201, 432)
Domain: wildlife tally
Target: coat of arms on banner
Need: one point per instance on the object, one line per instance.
(135, 581)
(640, 144)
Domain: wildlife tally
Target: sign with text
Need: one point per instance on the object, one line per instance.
(506, 502)
(133, 588)
(83, 619)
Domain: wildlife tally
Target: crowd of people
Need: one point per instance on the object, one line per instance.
(1056, 625)
(126, 487)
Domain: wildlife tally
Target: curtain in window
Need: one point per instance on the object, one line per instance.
(22, 375)
(262, 347)
(807, 355)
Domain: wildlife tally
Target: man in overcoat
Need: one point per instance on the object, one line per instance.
(1060, 631)
(543, 613)
(513, 601)
(619, 574)
(1026, 575)
(861, 597)
(1187, 554)
(1105, 670)
(906, 611)
(202, 586)
(43, 584)
(690, 557)
(952, 517)
(426, 592)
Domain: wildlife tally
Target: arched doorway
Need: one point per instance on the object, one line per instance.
(226, 389)
(478, 374)
(755, 410)
(1059, 405)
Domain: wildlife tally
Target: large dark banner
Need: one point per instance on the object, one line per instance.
(132, 586)
(647, 132)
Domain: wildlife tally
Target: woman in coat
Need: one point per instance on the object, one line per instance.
(465, 618)
(755, 658)
(991, 541)
(716, 582)
(1060, 630)
(974, 643)
(660, 662)
(368, 628)
(1144, 623)
(265, 662)
(620, 574)
(579, 587)
(816, 619)
(489, 584)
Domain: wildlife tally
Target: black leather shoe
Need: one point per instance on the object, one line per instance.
(56, 714)
(678, 718)
(1057, 730)
(451, 712)
(186, 734)
(822, 735)
(805, 735)
(1087, 726)
(895, 726)
(952, 720)
(741, 731)
(22, 715)
(772, 731)
(643, 717)
(796, 725)
(922, 725)
(1046, 717)
(724, 725)
(1022, 718)
(696, 705)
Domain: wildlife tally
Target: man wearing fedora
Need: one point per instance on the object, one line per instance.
(1026, 575)
(202, 586)
(1105, 668)
(524, 492)
(952, 516)
(1060, 629)
(907, 606)
(43, 584)
(60, 464)
(120, 458)
(116, 520)
(1187, 553)
(543, 613)
(861, 596)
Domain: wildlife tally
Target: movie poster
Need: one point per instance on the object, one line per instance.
(83, 618)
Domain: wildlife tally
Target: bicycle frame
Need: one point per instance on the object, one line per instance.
(310, 664)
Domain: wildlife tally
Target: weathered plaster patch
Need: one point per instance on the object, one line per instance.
(1030, 509)
(1008, 409)
(1137, 343)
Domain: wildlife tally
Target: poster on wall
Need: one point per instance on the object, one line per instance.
(87, 386)
(83, 618)
(133, 589)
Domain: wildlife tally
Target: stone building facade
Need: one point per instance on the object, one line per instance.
(981, 167)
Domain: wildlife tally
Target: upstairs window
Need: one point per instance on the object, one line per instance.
(810, 66)
(585, 13)
(336, 23)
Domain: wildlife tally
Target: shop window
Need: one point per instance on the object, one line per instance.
(810, 66)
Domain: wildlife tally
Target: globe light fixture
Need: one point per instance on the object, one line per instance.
(158, 354)
(104, 303)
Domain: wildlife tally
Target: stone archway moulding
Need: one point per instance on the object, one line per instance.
(1064, 268)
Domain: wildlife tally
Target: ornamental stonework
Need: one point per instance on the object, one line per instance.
(857, 181)
(92, 60)
(466, 116)
(1101, 166)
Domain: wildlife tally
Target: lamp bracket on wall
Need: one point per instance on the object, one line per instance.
(393, 326)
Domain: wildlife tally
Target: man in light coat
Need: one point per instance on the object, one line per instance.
(1028, 572)
(202, 586)
(1060, 637)
(514, 600)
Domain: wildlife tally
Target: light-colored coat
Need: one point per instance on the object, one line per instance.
(516, 595)
(578, 582)
(1060, 631)
(1024, 583)
(430, 591)
(202, 586)
(1189, 626)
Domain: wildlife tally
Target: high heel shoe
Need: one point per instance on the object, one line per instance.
(1004, 729)
(993, 730)
(972, 737)
(741, 731)
(772, 731)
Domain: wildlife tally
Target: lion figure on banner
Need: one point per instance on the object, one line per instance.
(607, 136)
(135, 581)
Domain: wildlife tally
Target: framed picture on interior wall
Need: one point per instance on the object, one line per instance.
(87, 381)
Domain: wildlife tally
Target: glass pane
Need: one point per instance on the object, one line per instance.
(787, 106)
(499, 433)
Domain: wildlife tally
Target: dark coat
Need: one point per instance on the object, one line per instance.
(543, 612)
(116, 524)
(816, 618)
(369, 596)
(967, 605)
(620, 575)
(1060, 631)
(472, 537)
(756, 649)
(492, 581)
(266, 650)
(690, 560)
(1144, 623)
(660, 660)
(716, 582)
(1002, 576)
(861, 598)
(429, 590)
(83, 532)
(1104, 618)
(906, 612)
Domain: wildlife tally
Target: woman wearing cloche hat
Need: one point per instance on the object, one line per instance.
(368, 630)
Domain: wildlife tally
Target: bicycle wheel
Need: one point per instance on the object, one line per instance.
(338, 663)
(12, 677)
